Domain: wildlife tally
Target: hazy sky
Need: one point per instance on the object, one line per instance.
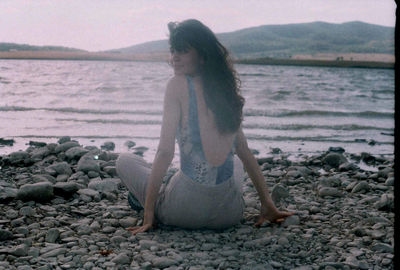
(109, 24)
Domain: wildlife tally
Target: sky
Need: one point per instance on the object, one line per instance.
(97, 25)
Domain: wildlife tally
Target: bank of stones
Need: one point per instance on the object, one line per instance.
(63, 207)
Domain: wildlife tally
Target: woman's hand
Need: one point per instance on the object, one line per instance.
(272, 215)
(144, 228)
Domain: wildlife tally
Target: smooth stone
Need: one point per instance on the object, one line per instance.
(27, 211)
(64, 139)
(18, 157)
(384, 248)
(52, 235)
(163, 262)
(7, 193)
(87, 163)
(278, 193)
(276, 173)
(54, 252)
(291, 220)
(389, 181)
(60, 168)
(65, 146)
(106, 185)
(329, 191)
(6, 235)
(361, 186)
(65, 188)
(128, 222)
(122, 258)
(109, 146)
(42, 191)
(20, 250)
(89, 192)
(75, 152)
(43, 178)
(334, 160)
(40, 153)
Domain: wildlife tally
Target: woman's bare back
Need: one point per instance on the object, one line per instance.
(216, 146)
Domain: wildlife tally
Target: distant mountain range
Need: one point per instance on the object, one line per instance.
(278, 41)
(284, 41)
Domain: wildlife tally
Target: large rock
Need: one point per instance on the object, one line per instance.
(76, 152)
(42, 191)
(60, 168)
(87, 163)
(278, 193)
(334, 159)
(40, 153)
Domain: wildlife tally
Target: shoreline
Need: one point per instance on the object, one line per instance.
(163, 57)
(62, 204)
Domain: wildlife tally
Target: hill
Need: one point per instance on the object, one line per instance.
(285, 41)
(6, 47)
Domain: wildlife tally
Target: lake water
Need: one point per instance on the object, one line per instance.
(297, 109)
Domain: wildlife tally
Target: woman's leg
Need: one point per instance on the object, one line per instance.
(134, 172)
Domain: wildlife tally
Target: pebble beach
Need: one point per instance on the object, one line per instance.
(64, 207)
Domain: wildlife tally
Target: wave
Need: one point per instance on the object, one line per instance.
(309, 139)
(305, 113)
(307, 127)
(81, 111)
(113, 121)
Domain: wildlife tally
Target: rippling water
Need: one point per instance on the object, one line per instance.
(298, 109)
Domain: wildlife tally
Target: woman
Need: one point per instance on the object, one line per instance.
(203, 111)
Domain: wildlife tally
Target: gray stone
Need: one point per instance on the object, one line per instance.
(42, 191)
(64, 139)
(52, 235)
(60, 168)
(386, 202)
(87, 163)
(43, 178)
(65, 146)
(291, 220)
(27, 211)
(122, 258)
(20, 250)
(334, 160)
(163, 262)
(65, 189)
(106, 185)
(128, 222)
(18, 157)
(76, 152)
(389, 181)
(329, 191)
(88, 192)
(384, 248)
(7, 193)
(278, 193)
(361, 186)
(5, 235)
(40, 153)
(54, 252)
(109, 146)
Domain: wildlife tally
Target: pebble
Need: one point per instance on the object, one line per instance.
(343, 218)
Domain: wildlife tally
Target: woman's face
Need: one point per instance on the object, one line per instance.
(186, 62)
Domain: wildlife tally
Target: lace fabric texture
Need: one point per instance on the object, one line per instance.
(193, 161)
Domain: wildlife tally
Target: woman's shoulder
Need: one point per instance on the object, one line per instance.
(177, 85)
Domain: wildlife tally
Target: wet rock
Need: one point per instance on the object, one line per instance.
(76, 152)
(65, 146)
(18, 157)
(64, 139)
(59, 168)
(87, 163)
(42, 191)
(334, 159)
(108, 146)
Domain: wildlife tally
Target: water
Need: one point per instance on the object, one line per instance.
(298, 109)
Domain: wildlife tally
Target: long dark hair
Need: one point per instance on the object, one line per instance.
(220, 81)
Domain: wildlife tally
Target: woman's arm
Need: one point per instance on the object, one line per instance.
(268, 210)
(165, 152)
